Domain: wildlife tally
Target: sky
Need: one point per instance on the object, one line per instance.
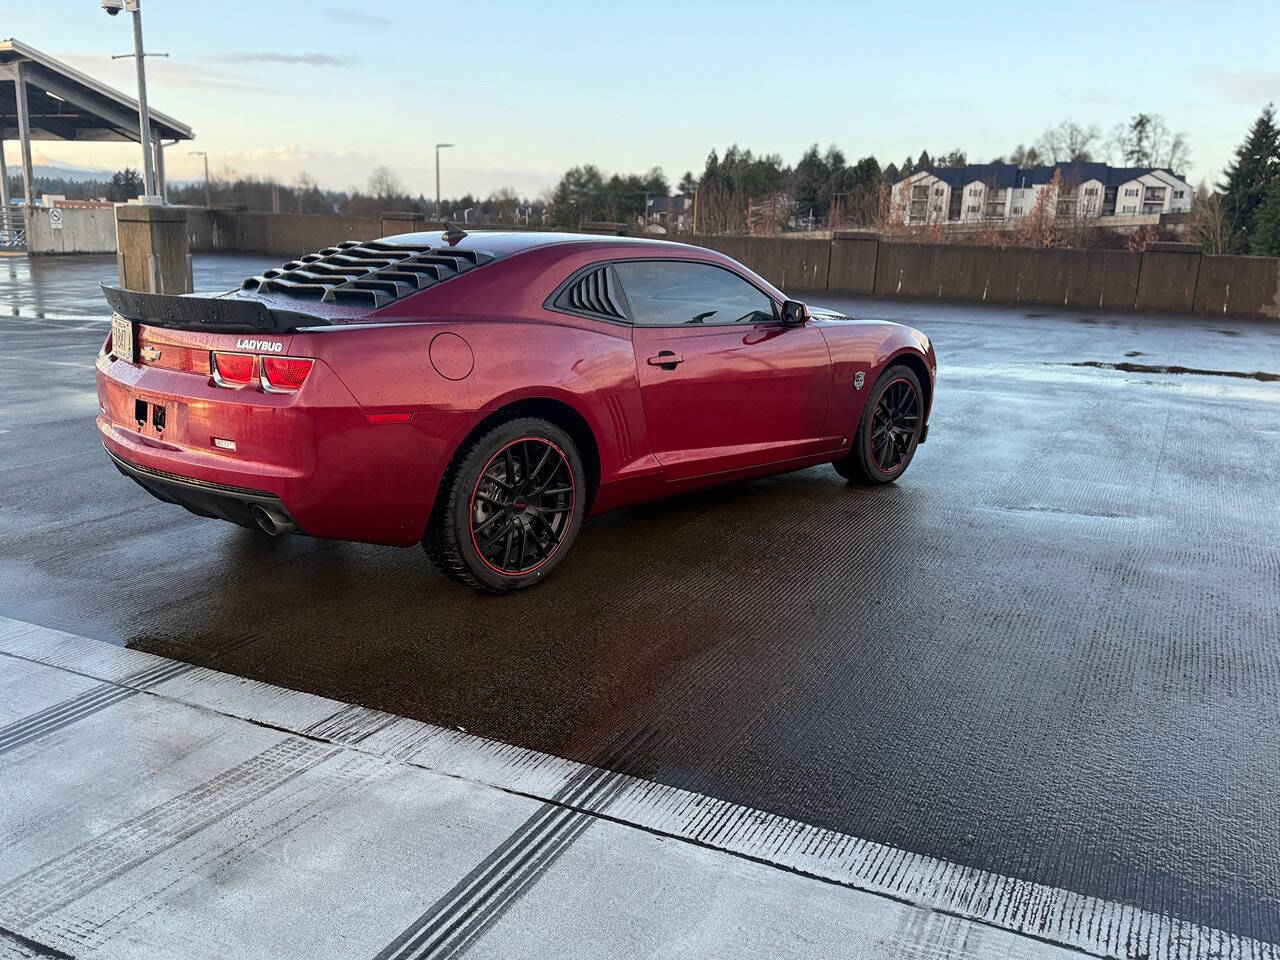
(276, 88)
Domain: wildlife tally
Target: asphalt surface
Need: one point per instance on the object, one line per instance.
(1049, 652)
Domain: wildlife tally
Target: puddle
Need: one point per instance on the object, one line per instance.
(1147, 368)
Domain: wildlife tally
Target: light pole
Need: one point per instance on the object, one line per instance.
(208, 197)
(439, 147)
(144, 117)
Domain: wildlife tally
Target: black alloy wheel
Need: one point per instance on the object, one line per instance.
(509, 507)
(889, 431)
(522, 505)
(895, 425)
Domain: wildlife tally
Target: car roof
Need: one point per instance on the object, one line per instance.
(504, 243)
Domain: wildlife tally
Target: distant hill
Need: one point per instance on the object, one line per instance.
(68, 173)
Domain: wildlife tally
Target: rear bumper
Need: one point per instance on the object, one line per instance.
(314, 455)
(204, 498)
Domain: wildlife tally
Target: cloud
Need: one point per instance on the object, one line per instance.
(1252, 87)
(368, 19)
(163, 73)
(306, 59)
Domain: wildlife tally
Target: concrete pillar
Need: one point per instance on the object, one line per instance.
(4, 191)
(4, 171)
(154, 253)
(161, 189)
(396, 222)
(24, 129)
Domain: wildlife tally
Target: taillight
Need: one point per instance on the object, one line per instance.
(284, 374)
(233, 369)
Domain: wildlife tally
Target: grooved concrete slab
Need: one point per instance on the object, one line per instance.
(162, 825)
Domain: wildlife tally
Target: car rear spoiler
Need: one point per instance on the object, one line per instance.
(223, 314)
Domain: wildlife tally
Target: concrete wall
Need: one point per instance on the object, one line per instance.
(292, 234)
(854, 256)
(1167, 277)
(84, 230)
(289, 235)
(1241, 286)
(795, 265)
(1170, 272)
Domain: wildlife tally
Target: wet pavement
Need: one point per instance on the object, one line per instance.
(1049, 652)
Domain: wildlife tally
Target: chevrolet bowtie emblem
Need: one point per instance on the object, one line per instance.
(150, 354)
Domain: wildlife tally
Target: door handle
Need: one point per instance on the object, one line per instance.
(666, 360)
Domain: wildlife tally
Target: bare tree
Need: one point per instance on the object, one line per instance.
(1069, 142)
(384, 184)
(1040, 227)
(894, 209)
(505, 201)
(1142, 238)
(1212, 223)
(1147, 141)
(1025, 156)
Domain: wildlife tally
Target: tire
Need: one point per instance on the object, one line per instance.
(903, 411)
(497, 535)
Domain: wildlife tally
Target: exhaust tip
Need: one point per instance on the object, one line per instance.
(271, 521)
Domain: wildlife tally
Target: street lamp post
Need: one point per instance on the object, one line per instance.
(144, 116)
(208, 197)
(439, 147)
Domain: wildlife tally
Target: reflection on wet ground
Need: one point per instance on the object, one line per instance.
(1048, 652)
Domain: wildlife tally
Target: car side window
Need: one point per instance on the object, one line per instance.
(671, 293)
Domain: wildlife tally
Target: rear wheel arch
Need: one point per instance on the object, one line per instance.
(554, 411)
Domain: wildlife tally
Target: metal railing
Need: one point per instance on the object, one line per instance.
(13, 229)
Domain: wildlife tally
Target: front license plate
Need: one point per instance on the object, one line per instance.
(122, 337)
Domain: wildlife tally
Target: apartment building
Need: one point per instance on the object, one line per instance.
(1003, 191)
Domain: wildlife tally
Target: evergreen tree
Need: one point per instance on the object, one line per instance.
(579, 196)
(1265, 241)
(1250, 175)
(810, 183)
(924, 160)
(891, 174)
(125, 185)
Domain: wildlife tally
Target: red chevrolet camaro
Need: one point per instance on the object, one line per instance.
(483, 393)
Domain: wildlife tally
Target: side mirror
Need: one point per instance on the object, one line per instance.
(794, 313)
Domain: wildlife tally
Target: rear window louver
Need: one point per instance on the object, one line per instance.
(594, 292)
(372, 273)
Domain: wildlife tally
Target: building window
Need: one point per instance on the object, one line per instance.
(995, 204)
(1017, 211)
(1090, 191)
(937, 191)
(1179, 194)
(919, 201)
(1131, 192)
